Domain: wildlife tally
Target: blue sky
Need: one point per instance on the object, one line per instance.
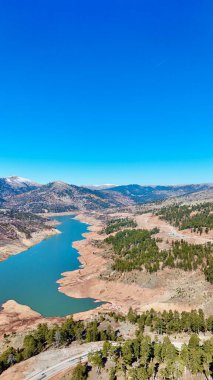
(110, 91)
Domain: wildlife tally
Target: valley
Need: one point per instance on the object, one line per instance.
(106, 190)
(91, 222)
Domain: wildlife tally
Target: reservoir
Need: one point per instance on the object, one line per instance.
(30, 277)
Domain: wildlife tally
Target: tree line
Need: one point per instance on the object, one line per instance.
(138, 358)
(45, 337)
(115, 225)
(197, 217)
(170, 322)
(143, 359)
(138, 249)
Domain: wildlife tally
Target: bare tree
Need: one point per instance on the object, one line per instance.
(57, 338)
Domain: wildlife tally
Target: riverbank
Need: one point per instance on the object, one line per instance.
(15, 317)
(164, 290)
(86, 282)
(22, 243)
(19, 273)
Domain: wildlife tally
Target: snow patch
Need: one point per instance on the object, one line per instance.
(19, 181)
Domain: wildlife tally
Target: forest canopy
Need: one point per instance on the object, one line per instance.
(138, 249)
(197, 217)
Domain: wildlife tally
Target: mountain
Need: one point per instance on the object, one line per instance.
(99, 187)
(190, 198)
(60, 197)
(22, 194)
(15, 185)
(143, 194)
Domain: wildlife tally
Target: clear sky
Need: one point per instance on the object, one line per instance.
(107, 91)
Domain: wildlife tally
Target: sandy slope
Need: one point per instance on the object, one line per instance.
(15, 317)
(169, 232)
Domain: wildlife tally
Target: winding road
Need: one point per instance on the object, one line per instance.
(72, 360)
(57, 368)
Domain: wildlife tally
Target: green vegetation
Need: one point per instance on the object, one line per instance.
(96, 359)
(80, 372)
(137, 358)
(191, 257)
(143, 359)
(168, 322)
(137, 249)
(118, 224)
(44, 337)
(197, 217)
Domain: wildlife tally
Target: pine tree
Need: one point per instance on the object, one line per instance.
(80, 372)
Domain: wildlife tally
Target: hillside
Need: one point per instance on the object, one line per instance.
(197, 216)
(19, 230)
(199, 196)
(60, 197)
(25, 195)
(145, 194)
(20, 223)
(15, 185)
(144, 346)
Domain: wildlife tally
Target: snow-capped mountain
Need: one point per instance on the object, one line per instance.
(16, 185)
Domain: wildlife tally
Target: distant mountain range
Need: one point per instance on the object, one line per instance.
(99, 187)
(54, 197)
(144, 194)
(22, 194)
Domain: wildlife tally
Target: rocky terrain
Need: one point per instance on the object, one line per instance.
(15, 185)
(61, 197)
(25, 195)
(19, 230)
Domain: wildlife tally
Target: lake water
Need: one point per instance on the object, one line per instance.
(30, 277)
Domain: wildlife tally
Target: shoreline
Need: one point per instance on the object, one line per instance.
(15, 317)
(18, 318)
(94, 226)
(86, 282)
(118, 295)
(19, 246)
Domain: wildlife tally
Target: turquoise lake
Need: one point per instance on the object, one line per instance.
(30, 277)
